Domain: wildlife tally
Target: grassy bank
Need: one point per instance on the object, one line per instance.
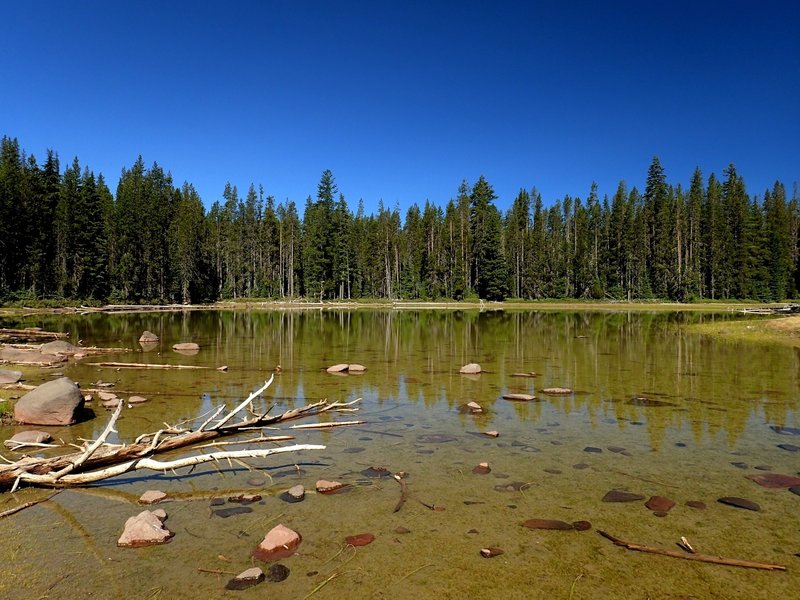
(765, 330)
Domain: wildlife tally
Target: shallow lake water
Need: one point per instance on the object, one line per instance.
(684, 416)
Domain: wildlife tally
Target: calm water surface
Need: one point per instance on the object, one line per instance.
(704, 427)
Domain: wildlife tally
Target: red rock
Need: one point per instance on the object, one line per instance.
(145, 529)
(582, 525)
(696, 504)
(551, 524)
(659, 504)
(328, 487)
(490, 552)
(280, 542)
(470, 369)
(482, 469)
(152, 497)
(774, 480)
(362, 539)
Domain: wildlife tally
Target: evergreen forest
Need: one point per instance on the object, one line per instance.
(65, 236)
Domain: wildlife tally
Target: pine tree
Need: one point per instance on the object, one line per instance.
(489, 268)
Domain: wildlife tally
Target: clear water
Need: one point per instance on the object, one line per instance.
(717, 402)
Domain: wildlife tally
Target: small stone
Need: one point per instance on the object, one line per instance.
(328, 487)
(582, 525)
(553, 471)
(551, 524)
(763, 467)
(222, 368)
(362, 539)
(593, 450)
(256, 481)
(774, 480)
(280, 542)
(296, 493)
(740, 503)
(474, 407)
(740, 465)
(492, 434)
(519, 397)
(145, 529)
(659, 504)
(470, 369)
(789, 447)
(616, 449)
(795, 489)
(622, 496)
(246, 579)
(217, 502)
(106, 395)
(109, 404)
(224, 513)
(482, 469)
(580, 466)
(490, 552)
(660, 513)
(696, 504)
(152, 497)
(556, 391)
(186, 347)
(277, 573)
(137, 400)
(402, 530)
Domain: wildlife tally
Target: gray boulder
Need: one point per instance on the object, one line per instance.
(61, 348)
(25, 438)
(57, 402)
(7, 376)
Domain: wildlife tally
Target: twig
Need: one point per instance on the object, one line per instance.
(16, 509)
(247, 401)
(258, 440)
(403, 492)
(320, 586)
(215, 571)
(326, 425)
(719, 560)
(407, 575)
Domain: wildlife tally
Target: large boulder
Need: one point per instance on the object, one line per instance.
(57, 402)
(148, 337)
(7, 376)
(61, 348)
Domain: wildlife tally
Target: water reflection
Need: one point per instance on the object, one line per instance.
(684, 382)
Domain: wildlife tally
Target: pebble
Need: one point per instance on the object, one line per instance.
(246, 579)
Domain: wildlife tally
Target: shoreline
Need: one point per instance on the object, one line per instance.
(535, 305)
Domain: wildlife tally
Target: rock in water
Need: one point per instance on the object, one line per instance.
(152, 497)
(60, 348)
(482, 469)
(340, 368)
(557, 391)
(24, 438)
(659, 504)
(328, 487)
(246, 579)
(622, 496)
(280, 542)
(362, 539)
(277, 573)
(148, 337)
(187, 348)
(519, 397)
(145, 529)
(774, 480)
(740, 503)
(490, 552)
(470, 369)
(7, 376)
(296, 493)
(356, 368)
(551, 524)
(57, 402)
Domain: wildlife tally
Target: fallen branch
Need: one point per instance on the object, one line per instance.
(326, 425)
(16, 509)
(128, 365)
(100, 460)
(706, 558)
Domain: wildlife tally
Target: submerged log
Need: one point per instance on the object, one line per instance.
(127, 365)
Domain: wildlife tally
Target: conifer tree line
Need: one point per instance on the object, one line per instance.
(65, 235)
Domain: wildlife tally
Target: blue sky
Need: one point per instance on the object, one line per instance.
(403, 100)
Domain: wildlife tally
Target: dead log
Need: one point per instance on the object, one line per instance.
(127, 365)
(101, 460)
(30, 334)
(717, 560)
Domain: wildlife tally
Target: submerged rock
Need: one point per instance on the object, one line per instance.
(246, 579)
(277, 573)
(57, 402)
(361, 539)
(152, 497)
(785, 430)
(148, 337)
(547, 524)
(482, 469)
(61, 348)
(648, 402)
(490, 552)
(25, 438)
(328, 487)
(582, 525)
(436, 438)
(622, 496)
(356, 368)
(774, 480)
(789, 447)
(659, 504)
(30, 357)
(376, 472)
(189, 348)
(145, 529)
(296, 493)
(280, 542)
(696, 504)
(224, 513)
(739, 503)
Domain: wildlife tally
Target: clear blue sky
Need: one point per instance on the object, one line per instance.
(403, 100)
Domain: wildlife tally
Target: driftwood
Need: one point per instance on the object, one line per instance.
(30, 334)
(130, 365)
(706, 558)
(100, 460)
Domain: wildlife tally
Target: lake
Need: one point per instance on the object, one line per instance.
(654, 409)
